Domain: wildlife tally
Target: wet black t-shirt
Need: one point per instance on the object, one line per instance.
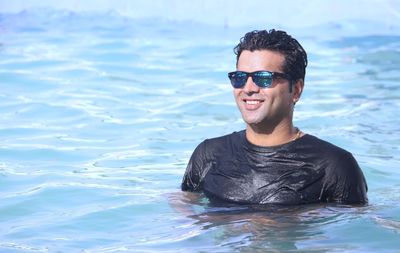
(307, 170)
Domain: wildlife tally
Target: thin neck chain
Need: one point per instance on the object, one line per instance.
(297, 134)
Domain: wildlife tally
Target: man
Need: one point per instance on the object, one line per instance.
(272, 162)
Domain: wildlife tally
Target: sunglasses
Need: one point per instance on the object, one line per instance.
(262, 79)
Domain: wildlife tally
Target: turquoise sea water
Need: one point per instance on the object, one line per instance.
(100, 113)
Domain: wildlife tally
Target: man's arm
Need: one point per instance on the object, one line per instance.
(195, 170)
(350, 186)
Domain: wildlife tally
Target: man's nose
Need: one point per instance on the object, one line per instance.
(250, 86)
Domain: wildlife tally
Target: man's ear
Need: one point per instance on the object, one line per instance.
(297, 90)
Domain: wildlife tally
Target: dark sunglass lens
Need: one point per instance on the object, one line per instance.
(238, 79)
(263, 79)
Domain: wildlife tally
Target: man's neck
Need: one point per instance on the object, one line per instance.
(273, 136)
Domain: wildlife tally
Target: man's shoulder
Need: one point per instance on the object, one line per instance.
(216, 145)
(203, 158)
(334, 158)
(232, 137)
(344, 180)
(325, 146)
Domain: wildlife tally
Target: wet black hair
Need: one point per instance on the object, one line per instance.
(278, 41)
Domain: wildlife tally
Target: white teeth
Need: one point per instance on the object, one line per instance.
(252, 102)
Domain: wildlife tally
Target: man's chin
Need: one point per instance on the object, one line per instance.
(252, 121)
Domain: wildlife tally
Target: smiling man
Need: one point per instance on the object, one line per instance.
(272, 161)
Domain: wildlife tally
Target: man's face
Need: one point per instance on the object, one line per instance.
(263, 106)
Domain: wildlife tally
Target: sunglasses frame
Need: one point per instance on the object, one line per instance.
(256, 75)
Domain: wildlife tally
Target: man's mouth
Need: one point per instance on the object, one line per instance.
(252, 101)
(252, 104)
